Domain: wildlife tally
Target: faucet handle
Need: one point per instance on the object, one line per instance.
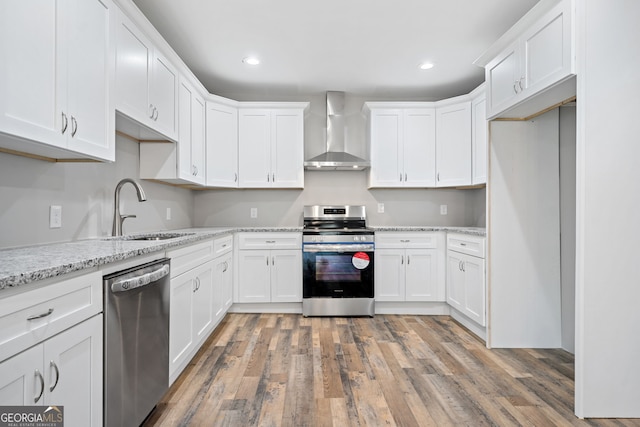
(123, 217)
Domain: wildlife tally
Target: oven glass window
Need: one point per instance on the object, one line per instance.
(336, 268)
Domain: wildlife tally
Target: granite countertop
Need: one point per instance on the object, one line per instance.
(19, 266)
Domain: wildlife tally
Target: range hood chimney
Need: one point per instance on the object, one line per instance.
(335, 158)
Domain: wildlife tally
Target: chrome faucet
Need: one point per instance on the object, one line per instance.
(117, 218)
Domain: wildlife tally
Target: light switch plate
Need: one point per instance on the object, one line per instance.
(55, 216)
(168, 214)
(380, 207)
(443, 209)
(254, 212)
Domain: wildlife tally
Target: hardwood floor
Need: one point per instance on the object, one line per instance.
(287, 370)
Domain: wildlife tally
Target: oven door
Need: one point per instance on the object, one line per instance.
(338, 271)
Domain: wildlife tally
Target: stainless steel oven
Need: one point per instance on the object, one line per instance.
(338, 256)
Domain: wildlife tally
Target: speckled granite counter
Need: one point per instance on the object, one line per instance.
(473, 231)
(28, 264)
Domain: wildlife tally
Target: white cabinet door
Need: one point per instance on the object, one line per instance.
(22, 378)
(254, 276)
(163, 96)
(181, 320)
(134, 62)
(453, 145)
(287, 148)
(30, 95)
(419, 147)
(227, 281)
(203, 301)
(73, 367)
(88, 48)
(547, 49)
(479, 127)
(385, 130)
(455, 281)
(222, 146)
(421, 275)
(186, 94)
(503, 75)
(474, 287)
(286, 276)
(390, 274)
(254, 148)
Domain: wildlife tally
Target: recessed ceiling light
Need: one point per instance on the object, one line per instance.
(426, 65)
(251, 60)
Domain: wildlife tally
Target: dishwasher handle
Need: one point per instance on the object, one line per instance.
(129, 283)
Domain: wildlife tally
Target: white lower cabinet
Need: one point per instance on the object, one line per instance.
(466, 276)
(191, 310)
(65, 370)
(269, 267)
(409, 266)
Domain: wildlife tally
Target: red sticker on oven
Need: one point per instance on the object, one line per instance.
(360, 260)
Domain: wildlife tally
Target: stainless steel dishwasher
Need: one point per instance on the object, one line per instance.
(136, 342)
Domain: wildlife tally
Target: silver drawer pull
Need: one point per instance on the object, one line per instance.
(53, 365)
(270, 241)
(41, 315)
(463, 244)
(41, 378)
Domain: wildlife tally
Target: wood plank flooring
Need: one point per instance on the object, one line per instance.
(287, 370)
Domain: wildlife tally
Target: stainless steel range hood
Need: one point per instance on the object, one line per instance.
(336, 158)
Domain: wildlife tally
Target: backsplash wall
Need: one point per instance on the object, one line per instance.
(284, 207)
(85, 191)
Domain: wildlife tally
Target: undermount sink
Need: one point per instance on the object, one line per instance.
(153, 237)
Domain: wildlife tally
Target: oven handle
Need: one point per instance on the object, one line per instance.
(327, 247)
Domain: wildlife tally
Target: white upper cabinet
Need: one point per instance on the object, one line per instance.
(402, 146)
(453, 145)
(146, 82)
(184, 162)
(479, 134)
(539, 55)
(55, 80)
(271, 147)
(222, 145)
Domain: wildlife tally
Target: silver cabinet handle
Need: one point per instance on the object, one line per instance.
(405, 177)
(464, 266)
(463, 244)
(40, 316)
(226, 267)
(408, 259)
(401, 259)
(53, 365)
(401, 177)
(520, 83)
(438, 176)
(151, 111)
(269, 241)
(267, 177)
(273, 177)
(460, 265)
(515, 87)
(65, 123)
(267, 260)
(157, 113)
(41, 378)
(74, 126)
(236, 178)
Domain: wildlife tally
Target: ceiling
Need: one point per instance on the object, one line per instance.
(369, 48)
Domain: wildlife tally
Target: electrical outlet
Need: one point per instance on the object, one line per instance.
(168, 214)
(55, 216)
(380, 207)
(443, 209)
(254, 212)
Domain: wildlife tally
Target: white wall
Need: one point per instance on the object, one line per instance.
(568, 224)
(85, 191)
(284, 207)
(524, 234)
(608, 209)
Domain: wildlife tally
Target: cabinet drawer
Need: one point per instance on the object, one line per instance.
(470, 245)
(270, 241)
(222, 245)
(33, 316)
(186, 258)
(392, 240)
